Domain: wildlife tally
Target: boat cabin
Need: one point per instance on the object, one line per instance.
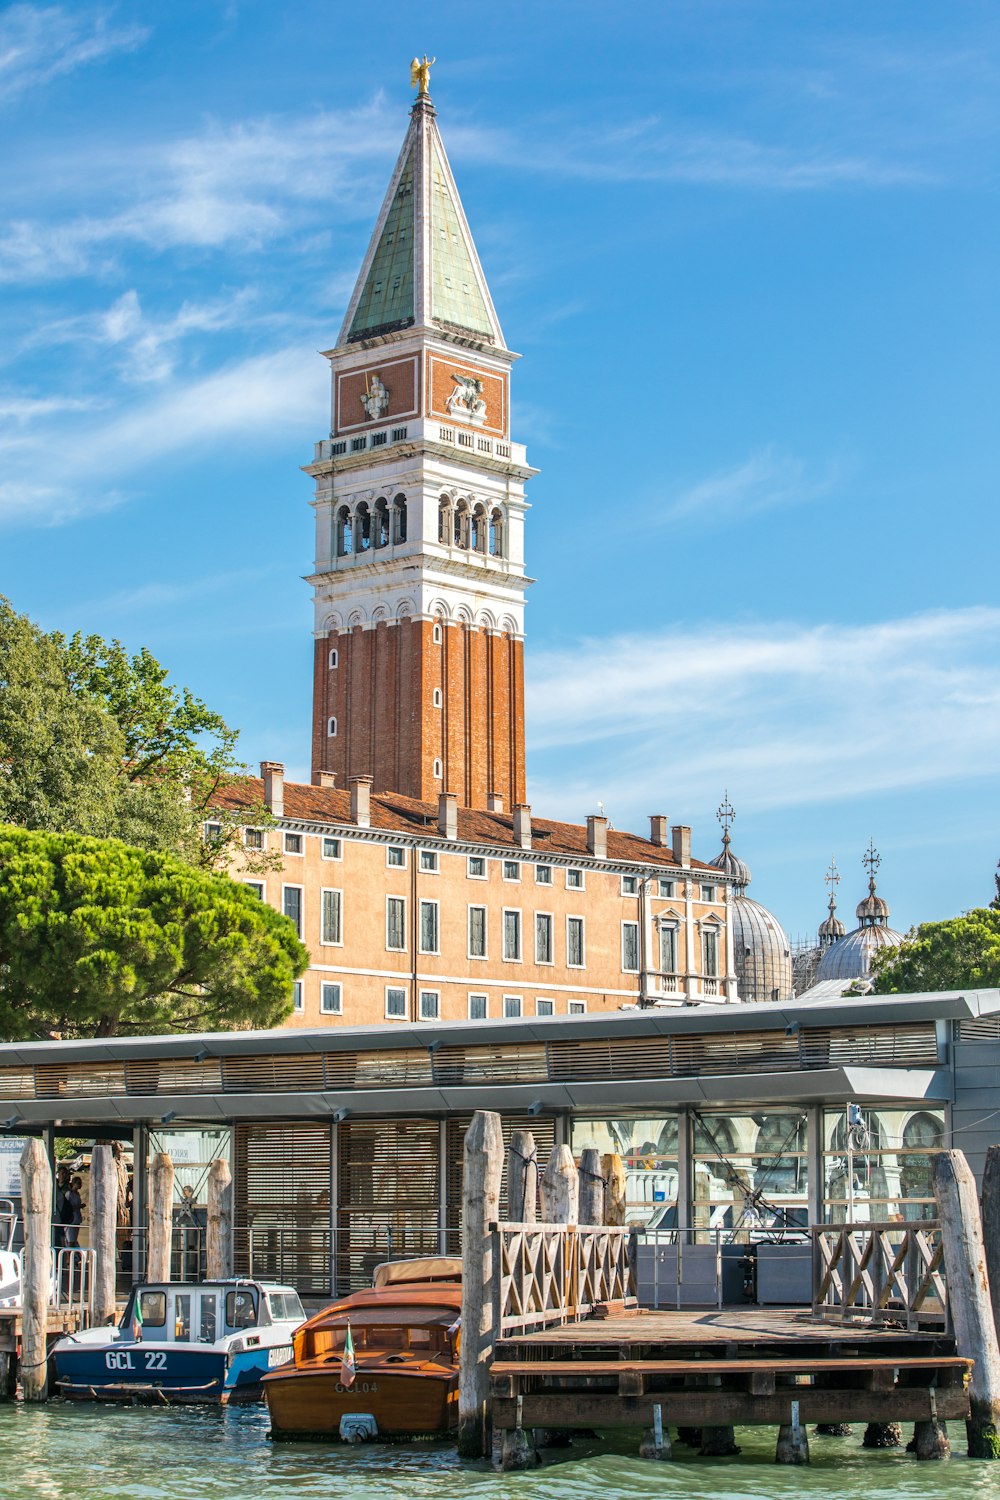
(177, 1312)
(416, 1323)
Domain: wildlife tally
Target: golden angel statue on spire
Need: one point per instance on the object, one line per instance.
(420, 75)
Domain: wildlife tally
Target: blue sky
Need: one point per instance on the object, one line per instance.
(748, 251)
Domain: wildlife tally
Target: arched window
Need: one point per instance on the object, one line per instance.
(438, 636)
(399, 518)
(444, 520)
(331, 728)
(462, 524)
(345, 536)
(334, 659)
(381, 538)
(496, 534)
(362, 528)
(480, 527)
(438, 700)
(437, 770)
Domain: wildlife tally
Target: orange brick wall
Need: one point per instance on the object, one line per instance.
(382, 695)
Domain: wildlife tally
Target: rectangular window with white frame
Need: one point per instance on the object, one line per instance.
(512, 1005)
(630, 947)
(255, 838)
(294, 843)
(430, 1005)
(395, 1004)
(543, 938)
(512, 936)
(477, 932)
(395, 857)
(543, 874)
(478, 1007)
(395, 923)
(545, 1008)
(511, 869)
(630, 885)
(257, 886)
(331, 999)
(574, 880)
(291, 905)
(429, 861)
(331, 922)
(578, 1007)
(665, 888)
(429, 929)
(576, 953)
(297, 1001)
(710, 953)
(333, 848)
(477, 867)
(668, 948)
(709, 892)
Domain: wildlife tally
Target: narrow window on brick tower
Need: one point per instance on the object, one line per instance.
(331, 728)
(437, 698)
(345, 535)
(438, 635)
(437, 771)
(399, 519)
(334, 659)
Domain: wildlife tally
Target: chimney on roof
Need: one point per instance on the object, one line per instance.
(448, 815)
(272, 773)
(361, 800)
(324, 778)
(494, 802)
(597, 837)
(658, 830)
(522, 825)
(681, 840)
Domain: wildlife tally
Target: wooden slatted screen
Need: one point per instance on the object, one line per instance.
(542, 1127)
(282, 1176)
(388, 1176)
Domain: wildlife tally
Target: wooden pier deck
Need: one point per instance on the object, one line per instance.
(735, 1367)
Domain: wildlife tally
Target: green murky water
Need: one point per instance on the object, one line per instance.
(65, 1452)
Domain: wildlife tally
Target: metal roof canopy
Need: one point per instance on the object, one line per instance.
(886, 1010)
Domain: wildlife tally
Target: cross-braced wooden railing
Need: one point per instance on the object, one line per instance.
(559, 1273)
(880, 1272)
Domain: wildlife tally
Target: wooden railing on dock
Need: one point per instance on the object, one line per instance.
(560, 1273)
(880, 1273)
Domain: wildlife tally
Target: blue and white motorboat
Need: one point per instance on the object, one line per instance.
(182, 1341)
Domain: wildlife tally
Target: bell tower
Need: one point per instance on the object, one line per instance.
(419, 579)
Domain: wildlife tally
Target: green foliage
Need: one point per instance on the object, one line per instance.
(99, 939)
(96, 741)
(962, 953)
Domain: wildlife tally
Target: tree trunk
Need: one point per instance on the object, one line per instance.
(969, 1296)
(219, 1223)
(104, 1229)
(484, 1153)
(160, 1217)
(36, 1268)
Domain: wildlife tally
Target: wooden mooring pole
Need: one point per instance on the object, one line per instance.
(36, 1268)
(591, 1187)
(160, 1217)
(991, 1228)
(613, 1172)
(484, 1152)
(522, 1178)
(219, 1223)
(104, 1229)
(969, 1298)
(559, 1189)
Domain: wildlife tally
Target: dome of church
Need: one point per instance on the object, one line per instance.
(762, 956)
(850, 957)
(831, 928)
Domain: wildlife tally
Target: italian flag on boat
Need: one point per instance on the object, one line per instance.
(137, 1318)
(348, 1368)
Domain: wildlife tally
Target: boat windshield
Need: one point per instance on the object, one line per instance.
(241, 1308)
(285, 1307)
(380, 1338)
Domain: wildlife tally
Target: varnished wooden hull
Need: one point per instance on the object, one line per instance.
(306, 1402)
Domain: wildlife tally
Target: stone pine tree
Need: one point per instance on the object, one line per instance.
(961, 953)
(100, 939)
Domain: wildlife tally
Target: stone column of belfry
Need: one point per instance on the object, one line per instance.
(418, 673)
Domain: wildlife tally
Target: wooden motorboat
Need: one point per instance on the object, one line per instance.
(405, 1331)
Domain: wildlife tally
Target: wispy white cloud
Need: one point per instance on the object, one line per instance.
(768, 479)
(259, 399)
(39, 43)
(804, 714)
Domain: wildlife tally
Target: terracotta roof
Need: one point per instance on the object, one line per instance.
(393, 813)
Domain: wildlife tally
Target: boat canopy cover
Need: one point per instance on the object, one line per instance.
(426, 1268)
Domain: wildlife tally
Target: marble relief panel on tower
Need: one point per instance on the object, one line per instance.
(386, 391)
(462, 392)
